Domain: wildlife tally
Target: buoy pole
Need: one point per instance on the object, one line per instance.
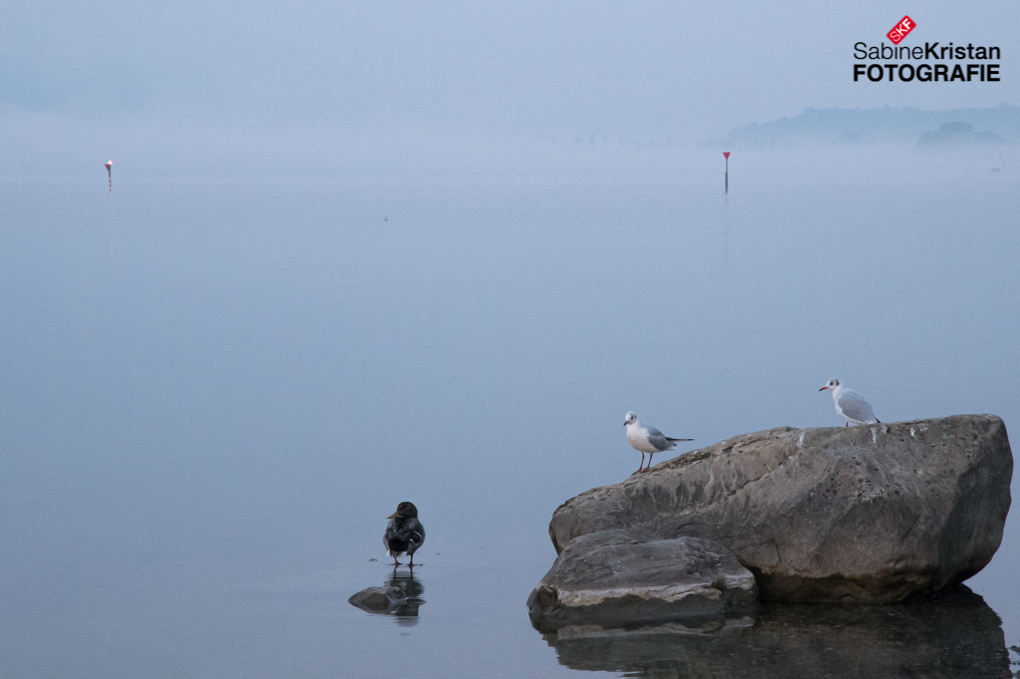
(726, 155)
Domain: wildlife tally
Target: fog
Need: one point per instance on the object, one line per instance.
(188, 89)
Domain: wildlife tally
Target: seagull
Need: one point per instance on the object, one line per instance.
(850, 404)
(404, 534)
(647, 439)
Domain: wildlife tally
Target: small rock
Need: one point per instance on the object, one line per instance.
(378, 599)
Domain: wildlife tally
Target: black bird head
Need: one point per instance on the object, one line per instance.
(405, 510)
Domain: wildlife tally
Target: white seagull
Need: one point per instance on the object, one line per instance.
(647, 439)
(850, 405)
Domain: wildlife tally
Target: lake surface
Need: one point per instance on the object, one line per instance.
(214, 393)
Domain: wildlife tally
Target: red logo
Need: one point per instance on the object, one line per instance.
(901, 30)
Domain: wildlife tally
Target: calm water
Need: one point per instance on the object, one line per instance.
(213, 394)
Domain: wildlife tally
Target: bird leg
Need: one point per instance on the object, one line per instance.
(642, 461)
(411, 564)
(649, 461)
(395, 562)
(848, 423)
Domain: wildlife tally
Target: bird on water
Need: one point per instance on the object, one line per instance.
(647, 439)
(404, 534)
(850, 405)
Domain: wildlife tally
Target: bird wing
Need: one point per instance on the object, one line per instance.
(403, 535)
(658, 439)
(392, 533)
(415, 535)
(855, 407)
(401, 528)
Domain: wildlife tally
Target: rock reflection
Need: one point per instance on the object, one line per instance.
(401, 596)
(957, 635)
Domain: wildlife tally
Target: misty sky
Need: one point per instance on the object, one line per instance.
(213, 80)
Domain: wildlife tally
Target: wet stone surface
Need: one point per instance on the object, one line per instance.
(614, 578)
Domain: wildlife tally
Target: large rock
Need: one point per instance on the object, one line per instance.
(956, 635)
(878, 513)
(610, 579)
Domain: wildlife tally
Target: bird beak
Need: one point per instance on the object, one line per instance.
(393, 515)
(823, 388)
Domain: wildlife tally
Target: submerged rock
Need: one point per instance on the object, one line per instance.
(378, 599)
(611, 579)
(877, 513)
(401, 597)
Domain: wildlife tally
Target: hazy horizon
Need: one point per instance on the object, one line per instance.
(325, 90)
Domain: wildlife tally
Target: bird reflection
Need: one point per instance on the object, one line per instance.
(412, 589)
(400, 596)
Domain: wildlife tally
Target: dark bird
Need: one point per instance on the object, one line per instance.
(404, 534)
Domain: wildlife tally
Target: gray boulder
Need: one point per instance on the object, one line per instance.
(877, 513)
(611, 579)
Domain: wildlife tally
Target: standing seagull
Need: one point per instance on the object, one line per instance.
(850, 404)
(404, 534)
(647, 439)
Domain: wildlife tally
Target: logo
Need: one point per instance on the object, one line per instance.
(901, 30)
(931, 63)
